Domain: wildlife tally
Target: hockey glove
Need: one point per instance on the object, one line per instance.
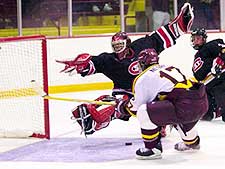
(217, 67)
(81, 64)
(121, 111)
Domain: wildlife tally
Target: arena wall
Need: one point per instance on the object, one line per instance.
(181, 55)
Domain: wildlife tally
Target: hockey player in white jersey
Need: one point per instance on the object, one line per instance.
(163, 96)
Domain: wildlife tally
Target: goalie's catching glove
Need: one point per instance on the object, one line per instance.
(82, 64)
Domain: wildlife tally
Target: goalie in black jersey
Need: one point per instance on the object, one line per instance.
(209, 67)
(121, 67)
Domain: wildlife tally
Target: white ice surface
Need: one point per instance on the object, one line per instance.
(210, 155)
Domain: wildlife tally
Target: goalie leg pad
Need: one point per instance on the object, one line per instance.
(106, 112)
(183, 22)
(106, 98)
(84, 119)
(90, 119)
(103, 113)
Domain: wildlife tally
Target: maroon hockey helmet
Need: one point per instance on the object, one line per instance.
(120, 44)
(148, 57)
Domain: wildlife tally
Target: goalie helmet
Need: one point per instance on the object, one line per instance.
(148, 57)
(198, 38)
(120, 44)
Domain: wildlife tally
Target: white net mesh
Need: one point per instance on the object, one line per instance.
(21, 110)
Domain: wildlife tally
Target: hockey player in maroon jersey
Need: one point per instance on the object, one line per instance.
(121, 67)
(163, 96)
(209, 62)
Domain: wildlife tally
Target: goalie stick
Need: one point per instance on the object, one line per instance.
(38, 89)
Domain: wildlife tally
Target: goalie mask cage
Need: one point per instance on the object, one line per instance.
(23, 113)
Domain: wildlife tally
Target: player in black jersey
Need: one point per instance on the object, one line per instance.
(121, 67)
(209, 67)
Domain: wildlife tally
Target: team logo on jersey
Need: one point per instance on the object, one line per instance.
(197, 64)
(134, 68)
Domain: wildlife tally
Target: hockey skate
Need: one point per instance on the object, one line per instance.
(181, 146)
(223, 117)
(183, 22)
(149, 154)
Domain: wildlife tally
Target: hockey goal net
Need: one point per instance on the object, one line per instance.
(23, 113)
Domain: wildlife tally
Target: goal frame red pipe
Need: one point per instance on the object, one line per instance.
(45, 76)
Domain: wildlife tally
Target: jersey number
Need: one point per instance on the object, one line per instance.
(174, 75)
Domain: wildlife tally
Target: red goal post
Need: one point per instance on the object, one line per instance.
(23, 113)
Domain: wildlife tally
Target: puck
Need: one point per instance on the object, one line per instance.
(128, 144)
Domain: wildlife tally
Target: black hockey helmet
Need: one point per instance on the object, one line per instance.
(148, 57)
(201, 40)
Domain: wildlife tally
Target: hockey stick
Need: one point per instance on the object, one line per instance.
(208, 78)
(78, 100)
(38, 89)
